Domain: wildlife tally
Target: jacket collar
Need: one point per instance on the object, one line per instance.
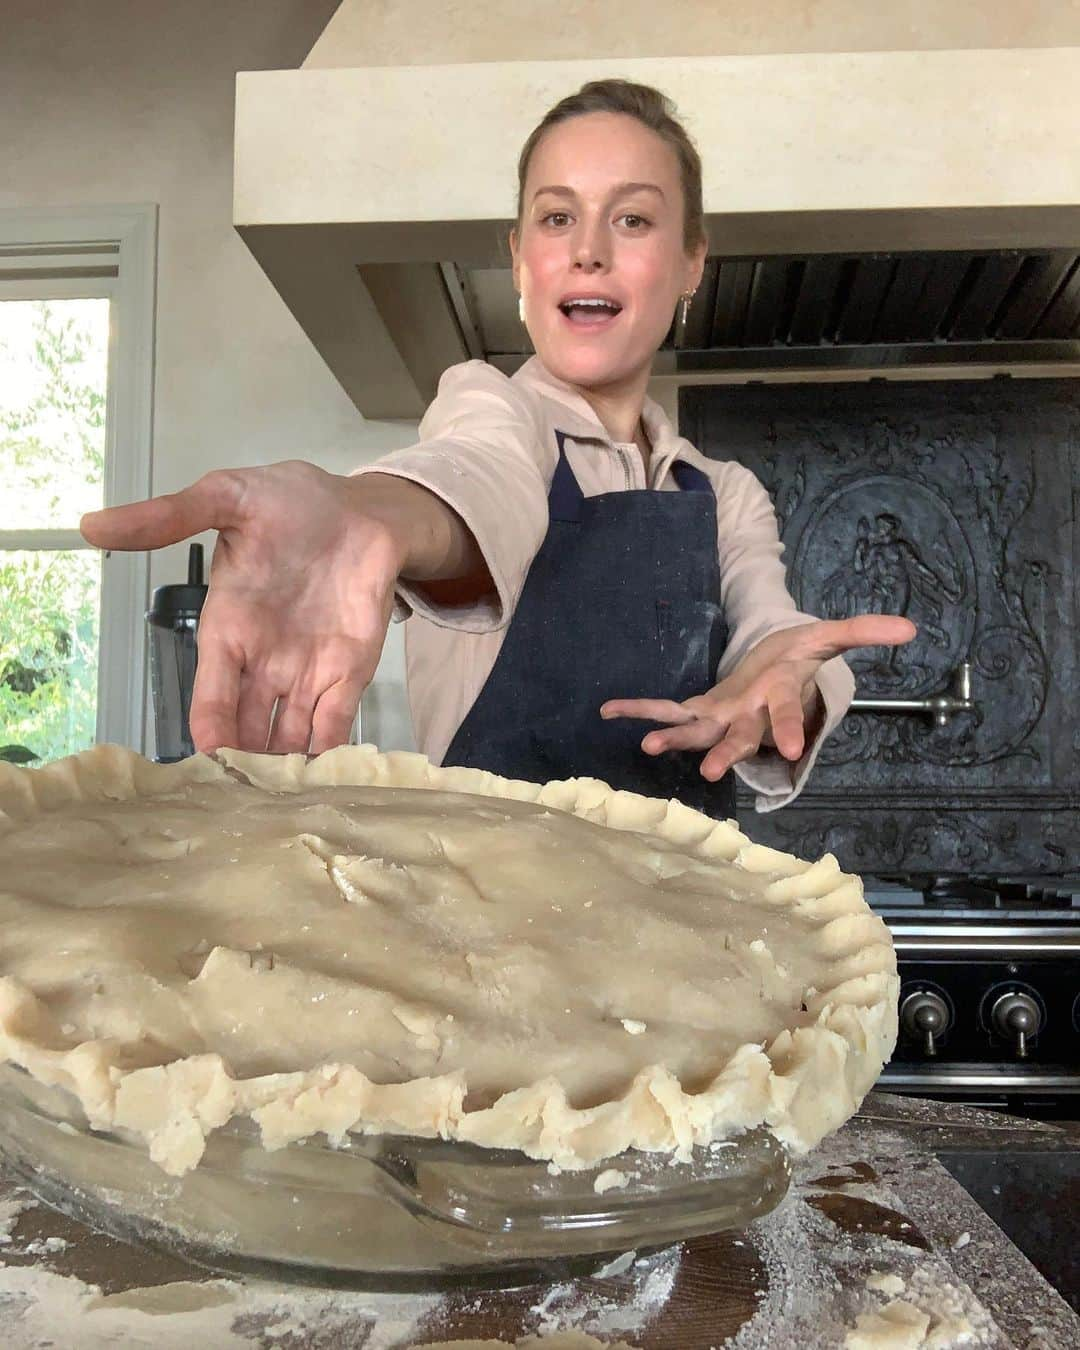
(577, 417)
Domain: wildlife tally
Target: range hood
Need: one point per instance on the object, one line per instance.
(834, 311)
(878, 206)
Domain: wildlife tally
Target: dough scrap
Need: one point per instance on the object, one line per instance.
(611, 1178)
(885, 1282)
(897, 1326)
(367, 943)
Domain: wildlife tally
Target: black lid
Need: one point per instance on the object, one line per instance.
(185, 601)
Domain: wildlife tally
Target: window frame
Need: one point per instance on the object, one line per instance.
(90, 252)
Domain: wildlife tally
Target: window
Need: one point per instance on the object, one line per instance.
(76, 370)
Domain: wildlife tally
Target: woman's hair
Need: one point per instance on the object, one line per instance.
(653, 110)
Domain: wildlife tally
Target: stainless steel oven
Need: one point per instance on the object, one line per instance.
(990, 988)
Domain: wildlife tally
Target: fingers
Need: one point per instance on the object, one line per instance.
(260, 720)
(336, 706)
(697, 735)
(255, 712)
(292, 724)
(787, 719)
(743, 739)
(699, 722)
(727, 742)
(208, 504)
(214, 699)
(334, 713)
(649, 709)
(299, 721)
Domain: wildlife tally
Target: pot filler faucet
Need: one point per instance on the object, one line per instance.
(940, 707)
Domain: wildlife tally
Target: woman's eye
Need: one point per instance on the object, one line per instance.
(558, 218)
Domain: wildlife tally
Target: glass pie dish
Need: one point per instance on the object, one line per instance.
(384, 1211)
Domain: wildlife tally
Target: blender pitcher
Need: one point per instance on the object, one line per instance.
(172, 621)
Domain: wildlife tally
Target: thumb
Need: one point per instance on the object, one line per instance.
(830, 637)
(211, 503)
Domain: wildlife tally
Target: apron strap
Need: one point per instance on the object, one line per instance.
(565, 495)
(690, 478)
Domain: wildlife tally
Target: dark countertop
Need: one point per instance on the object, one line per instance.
(914, 1190)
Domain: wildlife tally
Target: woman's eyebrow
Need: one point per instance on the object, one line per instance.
(560, 190)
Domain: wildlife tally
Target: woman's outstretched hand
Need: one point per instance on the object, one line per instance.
(768, 699)
(300, 595)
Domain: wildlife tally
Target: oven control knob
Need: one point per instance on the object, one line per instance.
(1016, 1017)
(924, 1017)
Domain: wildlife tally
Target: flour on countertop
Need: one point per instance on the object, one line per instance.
(811, 1304)
(10, 1210)
(46, 1246)
(41, 1309)
(643, 1290)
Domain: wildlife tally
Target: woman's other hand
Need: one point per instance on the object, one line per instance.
(301, 591)
(769, 699)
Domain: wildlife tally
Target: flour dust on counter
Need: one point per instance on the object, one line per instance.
(77, 1290)
(847, 1268)
(40, 1310)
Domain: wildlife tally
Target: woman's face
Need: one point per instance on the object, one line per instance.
(602, 215)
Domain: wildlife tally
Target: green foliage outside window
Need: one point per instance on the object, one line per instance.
(53, 374)
(48, 651)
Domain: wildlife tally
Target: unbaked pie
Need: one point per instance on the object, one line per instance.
(366, 942)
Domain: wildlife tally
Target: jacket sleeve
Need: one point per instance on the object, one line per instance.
(757, 602)
(482, 451)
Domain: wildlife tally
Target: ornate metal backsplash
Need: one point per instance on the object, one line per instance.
(953, 502)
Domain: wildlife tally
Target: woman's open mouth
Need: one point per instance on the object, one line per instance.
(590, 314)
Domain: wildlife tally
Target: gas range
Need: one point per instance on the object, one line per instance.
(990, 987)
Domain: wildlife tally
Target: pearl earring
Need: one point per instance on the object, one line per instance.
(521, 307)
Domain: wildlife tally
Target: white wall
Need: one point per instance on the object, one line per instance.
(132, 101)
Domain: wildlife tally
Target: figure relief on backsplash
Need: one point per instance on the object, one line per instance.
(886, 543)
(887, 574)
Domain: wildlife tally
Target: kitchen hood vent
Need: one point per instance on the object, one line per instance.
(835, 310)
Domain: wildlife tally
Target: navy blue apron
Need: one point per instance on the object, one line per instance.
(621, 601)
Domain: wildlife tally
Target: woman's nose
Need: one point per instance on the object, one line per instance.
(591, 248)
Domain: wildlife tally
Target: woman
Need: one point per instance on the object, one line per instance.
(576, 572)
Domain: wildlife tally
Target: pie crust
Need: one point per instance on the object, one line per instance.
(566, 969)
